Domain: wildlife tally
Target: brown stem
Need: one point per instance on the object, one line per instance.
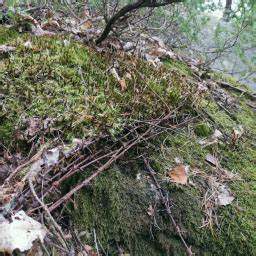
(165, 202)
(129, 8)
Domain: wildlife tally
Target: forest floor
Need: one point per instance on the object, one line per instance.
(116, 155)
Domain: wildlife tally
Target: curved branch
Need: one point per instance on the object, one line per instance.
(129, 8)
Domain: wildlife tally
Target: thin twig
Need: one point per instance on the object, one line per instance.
(95, 242)
(48, 213)
(165, 201)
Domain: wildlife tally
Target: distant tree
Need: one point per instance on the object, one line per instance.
(227, 10)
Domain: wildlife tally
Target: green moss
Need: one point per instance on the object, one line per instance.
(178, 66)
(116, 207)
(7, 35)
(6, 131)
(72, 84)
(229, 79)
(221, 118)
(234, 236)
(246, 117)
(203, 129)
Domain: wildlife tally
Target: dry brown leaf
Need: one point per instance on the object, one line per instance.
(50, 24)
(123, 84)
(179, 174)
(87, 24)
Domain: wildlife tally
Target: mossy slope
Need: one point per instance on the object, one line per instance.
(64, 80)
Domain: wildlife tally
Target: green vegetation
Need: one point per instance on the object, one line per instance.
(64, 80)
(203, 129)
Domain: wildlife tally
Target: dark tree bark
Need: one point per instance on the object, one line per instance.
(228, 10)
(129, 8)
(228, 5)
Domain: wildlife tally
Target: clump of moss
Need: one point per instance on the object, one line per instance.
(203, 129)
(178, 66)
(116, 207)
(7, 35)
(229, 79)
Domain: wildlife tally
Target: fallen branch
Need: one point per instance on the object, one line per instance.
(59, 232)
(237, 89)
(165, 201)
(114, 157)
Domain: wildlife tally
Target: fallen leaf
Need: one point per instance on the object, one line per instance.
(212, 159)
(220, 192)
(217, 134)
(28, 44)
(128, 46)
(224, 195)
(179, 174)
(237, 133)
(123, 84)
(87, 24)
(20, 233)
(150, 210)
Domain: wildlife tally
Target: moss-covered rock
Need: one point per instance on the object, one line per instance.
(71, 84)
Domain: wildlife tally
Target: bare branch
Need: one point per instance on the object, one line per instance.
(129, 8)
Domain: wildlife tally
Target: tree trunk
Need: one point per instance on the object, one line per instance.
(227, 11)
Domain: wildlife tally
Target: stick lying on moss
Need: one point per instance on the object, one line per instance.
(165, 201)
